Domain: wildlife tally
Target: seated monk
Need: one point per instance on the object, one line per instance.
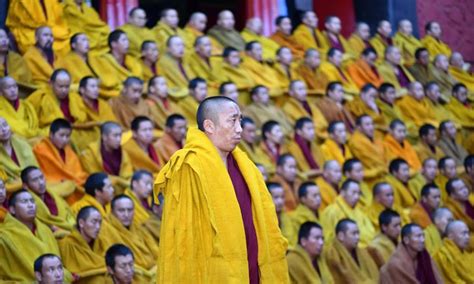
(334, 72)
(303, 147)
(231, 70)
(359, 39)
(404, 192)
(392, 71)
(174, 67)
(229, 89)
(368, 148)
(137, 32)
(158, 102)
(333, 37)
(410, 263)
(224, 31)
(310, 72)
(273, 140)
(3, 200)
(461, 107)
(457, 69)
(468, 175)
(427, 144)
(284, 38)
(249, 145)
(306, 263)
(440, 74)
(427, 175)
(348, 262)
(15, 155)
(422, 212)
(108, 156)
(121, 267)
(406, 41)
(197, 88)
(397, 146)
(332, 106)
(13, 64)
(336, 147)
(19, 113)
(167, 27)
(435, 232)
(149, 59)
(173, 137)
(140, 149)
(40, 58)
(253, 32)
(447, 171)
(195, 28)
(353, 169)
(131, 103)
(447, 142)
(51, 209)
(453, 257)
(458, 202)
(422, 70)
(307, 34)
(363, 71)
(432, 40)
(437, 103)
(24, 18)
(383, 199)
(329, 182)
(81, 18)
(262, 110)
(386, 102)
(307, 211)
(297, 106)
(49, 269)
(59, 163)
(201, 63)
(80, 64)
(284, 68)
(286, 176)
(386, 241)
(382, 38)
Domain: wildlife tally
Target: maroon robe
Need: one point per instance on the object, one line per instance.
(64, 106)
(51, 204)
(305, 147)
(111, 161)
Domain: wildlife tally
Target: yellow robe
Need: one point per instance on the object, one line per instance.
(158, 112)
(85, 19)
(424, 152)
(379, 44)
(268, 45)
(389, 112)
(295, 150)
(257, 155)
(340, 210)
(435, 46)
(207, 221)
(358, 107)
(384, 246)
(162, 32)
(440, 111)
(136, 37)
(40, 68)
(422, 73)
(345, 269)
(227, 37)
(462, 76)
(23, 121)
(459, 212)
(361, 74)
(131, 67)
(445, 81)
(433, 239)
(316, 81)
(140, 159)
(388, 75)
(375, 208)
(464, 114)
(416, 183)
(394, 150)
(328, 193)
(199, 67)
(144, 217)
(261, 113)
(166, 147)
(302, 271)
(289, 41)
(334, 73)
(189, 107)
(332, 151)
(419, 215)
(125, 111)
(25, 16)
(285, 74)
(307, 38)
(343, 42)
(416, 111)
(454, 263)
(294, 110)
(18, 70)
(290, 190)
(297, 218)
(262, 74)
(403, 195)
(189, 36)
(238, 75)
(177, 82)
(64, 221)
(407, 45)
(357, 45)
(103, 114)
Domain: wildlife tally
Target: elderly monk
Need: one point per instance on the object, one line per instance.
(108, 156)
(231, 70)
(328, 183)
(332, 35)
(353, 169)
(173, 138)
(348, 262)
(453, 257)
(136, 31)
(440, 74)
(201, 63)
(140, 149)
(167, 26)
(406, 41)
(333, 70)
(273, 140)
(286, 176)
(404, 193)
(307, 33)
(363, 71)
(383, 199)
(432, 40)
(310, 72)
(80, 64)
(158, 102)
(12, 64)
(25, 17)
(449, 145)
(195, 28)
(386, 241)
(250, 145)
(359, 39)
(253, 32)
(421, 69)
(58, 161)
(421, 214)
(332, 106)
(131, 103)
(306, 263)
(368, 148)
(382, 38)
(397, 146)
(460, 106)
(19, 113)
(458, 201)
(303, 147)
(49, 268)
(198, 91)
(224, 31)
(285, 68)
(149, 59)
(386, 102)
(427, 144)
(447, 171)
(335, 147)
(457, 69)
(40, 57)
(219, 165)
(81, 18)
(298, 106)
(410, 263)
(262, 110)
(392, 71)
(435, 232)
(283, 36)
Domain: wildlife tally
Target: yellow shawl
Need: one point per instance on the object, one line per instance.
(302, 271)
(23, 121)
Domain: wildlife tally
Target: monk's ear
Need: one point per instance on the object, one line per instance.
(12, 210)
(209, 126)
(110, 270)
(38, 276)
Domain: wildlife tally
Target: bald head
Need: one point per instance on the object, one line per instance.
(210, 108)
(137, 17)
(441, 218)
(457, 60)
(363, 30)
(441, 62)
(458, 232)
(405, 27)
(198, 21)
(226, 20)
(9, 88)
(4, 41)
(44, 37)
(255, 25)
(384, 28)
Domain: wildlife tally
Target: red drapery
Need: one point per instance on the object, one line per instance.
(267, 10)
(115, 12)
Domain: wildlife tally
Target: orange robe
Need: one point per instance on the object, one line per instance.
(166, 147)
(289, 41)
(291, 191)
(333, 111)
(362, 73)
(333, 151)
(140, 159)
(125, 111)
(316, 81)
(394, 150)
(420, 216)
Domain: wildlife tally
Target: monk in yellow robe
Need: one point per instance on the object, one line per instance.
(137, 32)
(432, 40)
(447, 170)
(284, 38)
(406, 41)
(195, 28)
(231, 70)
(198, 91)
(427, 175)
(81, 18)
(363, 71)
(284, 68)
(250, 145)
(273, 141)
(173, 137)
(386, 241)
(347, 260)
(305, 264)
(307, 33)
(427, 145)
(359, 39)
(149, 59)
(224, 31)
(254, 208)
(383, 199)
(404, 194)
(310, 72)
(328, 183)
(453, 257)
(449, 144)
(40, 58)
(436, 102)
(458, 70)
(334, 39)
(3, 197)
(201, 64)
(167, 27)
(25, 17)
(397, 146)
(392, 71)
(335, 147)
(332, 106)
(421, 213)
(441, 75)
(19, 113)
(434, 233)
(334, 72)
(460, 106)
(382, 38)
(458, 201)
(409, 260)
(422, 69)
(353, 169)
(386, 102)
(286, 176)
(253, 32)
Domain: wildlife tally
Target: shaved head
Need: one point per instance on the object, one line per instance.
(198, 21)
(458, 232)
(107, 127)
(210, 108)
(331, 164)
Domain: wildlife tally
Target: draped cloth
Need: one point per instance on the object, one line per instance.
(454, 263)
(302, 270)
(23, 120)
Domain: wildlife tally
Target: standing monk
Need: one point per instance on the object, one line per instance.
(226, 220)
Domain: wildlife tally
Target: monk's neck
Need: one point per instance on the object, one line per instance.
(223, 156)
(412, 253)
(118, 56)
(29, 224)
(143, 146)
(272, 145)
(83, 56)
(3, 57)
(89, 102)
(148, 63)
(88, 240)
(333, 36)
(40, 195)
(107, 148)
(7, 145)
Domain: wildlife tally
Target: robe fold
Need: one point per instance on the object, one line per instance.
(261, 113)
(445, 81)
(99, 115)
(422, 73)
(227, 38)
(268, 45)
(331, 150)
(374, 209)
(310, 38)
(393, 149)
(289, 41)
(166, 146)
(389, 111)
(64, 219)
(419, 215)
(380, 43)
(285, 74)
(291, 191)
(334, 73)
(196, 233)
(408, 44)
(297, 218)
(435, 46)
(328, 193)
(424, 151)
(340, 43)
(140, 159)
(136, 37)
(362, 73)
(143, 216)
(358, 45)
(163, 31)
(130, 67)
(295, 110)
(433, 239)
(302, 271)
(403, 196)
(316, 81)
(459, 212)
(416, 111)
(454, 264)
(204, 68)
(125, 111)
(384, 246)
(464, 114)
(23, 120)
(176, 77)
(258, 156)
(453, 149)
(189, 107)
(190, 34)
(238, 75)
(160, 109)
(333, 111)
(389, 75)
(17, 68)
(460, 75)
(371, 153)
(262, 74)
(302, 160)
(40, 68)
(358, 107)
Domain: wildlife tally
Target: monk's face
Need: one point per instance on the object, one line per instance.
(113, 138)
(3, 192)
(52, 271)
(61, 85)
(430, 170)
(231, 91)
(435, 30)
(442, 62)
(107, 193)
(367, 126)
(275, 135)
(403, 173)
(449, 169)
(176, 47)
(352, 194)
(123, 210)
(226, 20)
(5, 130)
(91, 89)
(363, 30)
(389, 95)
(233, 59)
(256, 52)
(433, 199)
(394, 56)
(442, 221)
(178, 130)
(450, 130)
(298, 91)
(143, 187)
(433, 93)
(285, 26)
(225, 132)
(204, 48)
(36, 182)
(121, 45)
(385, 196)
(314, 243)
(61, 138)
(81, 45)
(288, 170)
(261, 96)
(200, 92)
(424, 58)
(350, 238)
(357, 172)
(337, 93)
(249, 133)
(460, 235)
(144, 133)
(385, 28)
(4, 41)
(151, 53)
(159, 88)
(369, 96)
(9, 89)
(416, 240)
(392, 230)
(310, 19)
(332, 173)
(307, 131)
(24, 208)
(278, 196)
(199, 22)
(133, 92)
(255, 25)
(123, 270)
(333, 25)
(416, 90)
(336, 59)
(399, 132)
(312, 200)
(370, 58)
(138, 18)
(431, 138)
(171, 18)
(284, 56)
(339, 134)
(405, 27)
(44, 38)
(461, 95)
(90, 227)
(460, 191)
(456, 58)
